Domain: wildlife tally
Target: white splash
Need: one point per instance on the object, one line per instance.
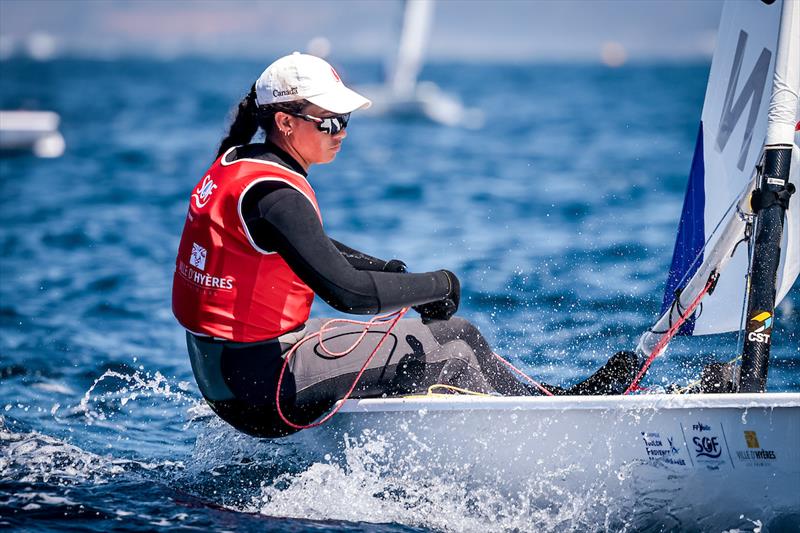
(32, 457)
(138, 384)
(757, 526)
(35, 457)
(371, 483)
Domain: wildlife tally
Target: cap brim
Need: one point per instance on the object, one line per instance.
(340, 101)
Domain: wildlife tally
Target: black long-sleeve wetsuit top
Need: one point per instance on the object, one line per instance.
(281, 219)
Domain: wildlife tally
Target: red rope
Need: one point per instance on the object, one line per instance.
(526, 376)
(634, 386)
(380, 319)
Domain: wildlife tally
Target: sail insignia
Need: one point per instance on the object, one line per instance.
(752, 91)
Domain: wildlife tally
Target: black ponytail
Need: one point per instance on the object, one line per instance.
(250, 116)
(244, 125)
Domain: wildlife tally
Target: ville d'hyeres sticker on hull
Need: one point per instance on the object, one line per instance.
(755, 455)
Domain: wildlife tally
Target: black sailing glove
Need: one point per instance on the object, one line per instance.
(395, 265)
(442, 309)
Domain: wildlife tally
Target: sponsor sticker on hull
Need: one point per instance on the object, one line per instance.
(755, 455)
(662, 448)
(708, 446)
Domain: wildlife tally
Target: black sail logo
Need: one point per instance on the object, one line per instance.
(752, 92)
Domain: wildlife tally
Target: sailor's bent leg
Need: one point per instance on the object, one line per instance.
(499, 377)
(409, 362)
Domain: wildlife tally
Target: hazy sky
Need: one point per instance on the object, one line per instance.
(466, 30)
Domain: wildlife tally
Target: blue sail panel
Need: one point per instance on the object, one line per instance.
(687, 255)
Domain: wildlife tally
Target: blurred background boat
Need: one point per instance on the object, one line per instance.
(30, 131)
(401, 94)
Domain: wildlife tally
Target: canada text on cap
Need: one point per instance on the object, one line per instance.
(306, 77)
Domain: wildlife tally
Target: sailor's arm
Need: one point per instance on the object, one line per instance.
(362, 261)
(289, 225)
(258, 199)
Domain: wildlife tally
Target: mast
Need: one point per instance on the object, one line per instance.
(770, 202)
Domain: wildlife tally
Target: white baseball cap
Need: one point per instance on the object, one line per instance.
(306, 77)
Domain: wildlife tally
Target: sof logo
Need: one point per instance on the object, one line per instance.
(707, 447)
(760, 327)
(707, 444)
(198, 257)
(203, 193)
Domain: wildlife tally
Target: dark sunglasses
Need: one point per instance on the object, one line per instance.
(330, 125)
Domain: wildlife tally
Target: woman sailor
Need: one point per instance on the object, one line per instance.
(254, 253)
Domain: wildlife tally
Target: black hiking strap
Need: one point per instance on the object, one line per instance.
(763, 199)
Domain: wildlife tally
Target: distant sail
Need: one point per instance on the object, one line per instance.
(417, 17)
(729, 144)
(403, 95)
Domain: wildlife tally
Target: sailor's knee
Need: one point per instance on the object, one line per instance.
(459, 350)
(455, 323)
(456, 328)
(463, 328)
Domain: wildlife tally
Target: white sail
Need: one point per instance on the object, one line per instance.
(403, 94)
(732, 135)
(417, 18)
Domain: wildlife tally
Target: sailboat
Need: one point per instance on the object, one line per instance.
(727, 448)
(402, 94)
(30, 131)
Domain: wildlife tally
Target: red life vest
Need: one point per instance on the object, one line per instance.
(224, 285)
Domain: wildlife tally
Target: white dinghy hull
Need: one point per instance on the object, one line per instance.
(692, 461)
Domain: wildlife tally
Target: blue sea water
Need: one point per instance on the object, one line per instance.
(558, 215)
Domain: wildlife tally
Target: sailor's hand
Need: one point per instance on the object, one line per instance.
(395, 265)
(442, 309)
